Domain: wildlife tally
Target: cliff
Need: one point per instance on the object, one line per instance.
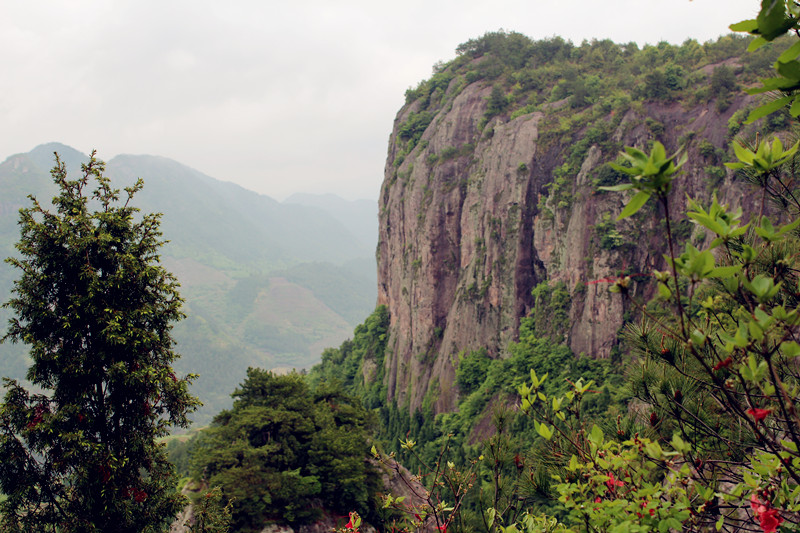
(491, 189)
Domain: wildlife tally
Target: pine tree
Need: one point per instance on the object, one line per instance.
(81, 453)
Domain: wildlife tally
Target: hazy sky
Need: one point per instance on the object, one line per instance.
(280, 97)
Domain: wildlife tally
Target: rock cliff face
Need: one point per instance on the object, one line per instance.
(480, 212)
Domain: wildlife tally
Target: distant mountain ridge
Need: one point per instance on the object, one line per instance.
(266, 283)
(351, 213)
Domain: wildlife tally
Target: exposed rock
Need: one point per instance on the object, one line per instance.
(468, 228)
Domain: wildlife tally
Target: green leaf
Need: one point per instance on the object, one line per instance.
(755, 331)
(756, 43)
(743, 154)
(573, 464)
(679, 444)
(664, 291)
(707, 222)
(618, 188)
(557, 403)
(545, 431)
(654, 450)
(772, 20)
(636, 203)
(767, 225)
(698, 338)
(596, 435)
(724, 271)
(790, 53)
(749, 26)
(790, 69)
(790, 349)
(669, 523)
(767, 108)
(789, 227)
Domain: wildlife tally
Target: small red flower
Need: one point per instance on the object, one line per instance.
(612, 483)
(723, 364)
(644, 506)
(354, 522)
(758, 414)
(768, 518)
(442, 528)
(139, 495)
(598, 499)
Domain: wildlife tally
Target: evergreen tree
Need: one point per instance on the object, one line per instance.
(283, 451)
(80, 453)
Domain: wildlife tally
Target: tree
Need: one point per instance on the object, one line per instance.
(496, 103)
(80, 454)
(283, 449)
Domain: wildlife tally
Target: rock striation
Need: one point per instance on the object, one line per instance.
(479, 212)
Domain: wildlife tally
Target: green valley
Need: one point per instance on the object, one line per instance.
(266, 284)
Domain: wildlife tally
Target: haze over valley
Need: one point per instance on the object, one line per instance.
(266, 283)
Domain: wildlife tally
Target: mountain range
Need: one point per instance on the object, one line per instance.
(266, 283)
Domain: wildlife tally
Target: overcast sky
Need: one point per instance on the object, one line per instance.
(279, 97)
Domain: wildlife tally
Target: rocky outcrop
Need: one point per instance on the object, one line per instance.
(476, 215)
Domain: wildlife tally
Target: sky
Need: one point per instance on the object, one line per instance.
(279, 97)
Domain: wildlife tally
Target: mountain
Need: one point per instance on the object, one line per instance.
(490, 209)
(266, 284)
(360, 217)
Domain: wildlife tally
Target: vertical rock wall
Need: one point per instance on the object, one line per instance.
(462, 240)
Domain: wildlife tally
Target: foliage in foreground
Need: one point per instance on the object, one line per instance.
(82, 454)
(718, 379)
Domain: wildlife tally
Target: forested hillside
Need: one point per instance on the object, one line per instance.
(498, 351)
(266, 284)
(500, 240)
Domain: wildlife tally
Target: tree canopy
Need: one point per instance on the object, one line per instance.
(284, 451)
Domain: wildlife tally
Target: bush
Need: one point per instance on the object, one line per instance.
(471, 370)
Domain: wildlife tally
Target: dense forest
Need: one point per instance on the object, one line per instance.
(688, 422)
